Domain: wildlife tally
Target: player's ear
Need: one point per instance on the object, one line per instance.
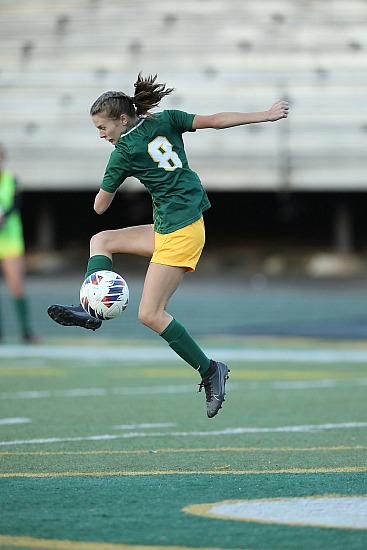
(124, 119)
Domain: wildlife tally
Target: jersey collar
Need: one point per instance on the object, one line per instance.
(139, 123)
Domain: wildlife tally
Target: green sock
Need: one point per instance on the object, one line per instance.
(98, 263)
(181, 342)
(22, 311)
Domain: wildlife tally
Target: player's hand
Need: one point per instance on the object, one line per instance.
(278, 110)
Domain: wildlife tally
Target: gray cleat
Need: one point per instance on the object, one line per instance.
(214, 385)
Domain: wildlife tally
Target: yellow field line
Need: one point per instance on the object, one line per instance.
(194, 450)
(221, 470)
(52, 544)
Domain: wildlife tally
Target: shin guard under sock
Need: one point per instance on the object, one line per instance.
(183, 344)
(99, 262)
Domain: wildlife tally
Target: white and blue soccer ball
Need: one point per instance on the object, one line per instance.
(104, 295)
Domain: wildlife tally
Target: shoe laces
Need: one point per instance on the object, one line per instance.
(206, 383)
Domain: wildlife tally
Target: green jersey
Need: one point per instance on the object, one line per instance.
(153, 152)
(11, 230)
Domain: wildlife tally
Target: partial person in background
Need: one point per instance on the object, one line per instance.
(12, 251)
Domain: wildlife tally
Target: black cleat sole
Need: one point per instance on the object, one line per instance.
(67, 318)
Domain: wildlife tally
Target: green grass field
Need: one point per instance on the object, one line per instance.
(105, 445)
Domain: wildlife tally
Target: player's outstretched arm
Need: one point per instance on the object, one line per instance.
(218, 121)
(102, 201)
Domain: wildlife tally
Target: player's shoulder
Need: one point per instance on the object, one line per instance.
(167, 114)
(176, 118)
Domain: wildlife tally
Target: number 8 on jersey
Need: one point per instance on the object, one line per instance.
(160, 149)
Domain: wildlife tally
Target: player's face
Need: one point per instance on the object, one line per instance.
(110, 130)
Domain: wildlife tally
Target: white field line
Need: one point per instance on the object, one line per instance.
(144, 426)
(177, 389)
(308, 428)
(130, 353)
(97, 392)
(317, 384)
(14, 420)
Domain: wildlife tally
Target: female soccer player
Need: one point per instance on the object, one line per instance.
(150, 147)
(12, 248)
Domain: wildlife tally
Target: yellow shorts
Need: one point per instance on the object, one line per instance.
(182, 248)
(11, 237)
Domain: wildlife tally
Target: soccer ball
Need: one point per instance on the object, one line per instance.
(104, 295)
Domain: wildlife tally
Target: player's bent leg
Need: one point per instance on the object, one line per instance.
(73, 316)
(160, 284)
(137, 240)
(161, 281)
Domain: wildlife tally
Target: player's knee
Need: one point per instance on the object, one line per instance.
(144, 317)
(96, 240)
(147, 318)
(99, 241)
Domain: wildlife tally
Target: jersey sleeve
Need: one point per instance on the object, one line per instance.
(181, 120)
(117, 170)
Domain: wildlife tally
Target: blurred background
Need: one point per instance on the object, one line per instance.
(288, 199)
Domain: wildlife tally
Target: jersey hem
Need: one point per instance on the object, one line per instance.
(183, 224)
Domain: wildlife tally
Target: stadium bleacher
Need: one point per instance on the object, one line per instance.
(57, 57)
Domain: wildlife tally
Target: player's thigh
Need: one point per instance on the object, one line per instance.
(137, 240)
(161, 281)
